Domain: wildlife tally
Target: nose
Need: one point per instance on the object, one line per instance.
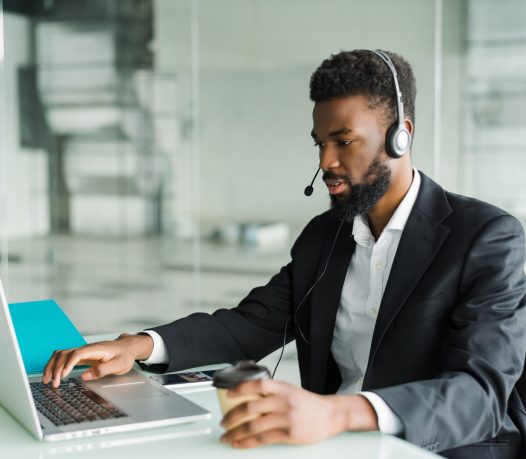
(328, 159)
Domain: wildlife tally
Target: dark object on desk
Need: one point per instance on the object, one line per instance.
(242, 371)
(230, 377)
(185, 379)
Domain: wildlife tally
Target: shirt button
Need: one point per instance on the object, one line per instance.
(373, 313)
(379, 265)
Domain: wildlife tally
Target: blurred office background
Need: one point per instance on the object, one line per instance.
(154, 153)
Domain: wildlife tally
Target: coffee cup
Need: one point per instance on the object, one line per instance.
(230, 377)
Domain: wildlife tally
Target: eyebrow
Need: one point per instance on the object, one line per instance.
(333, 133)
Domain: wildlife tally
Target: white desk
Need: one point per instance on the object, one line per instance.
(198, 440)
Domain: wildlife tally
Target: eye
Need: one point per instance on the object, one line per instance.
(344, 143)
(318, 144)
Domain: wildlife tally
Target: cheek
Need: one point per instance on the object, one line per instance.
(358, 160)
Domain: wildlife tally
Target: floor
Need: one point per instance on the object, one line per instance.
(108, 285)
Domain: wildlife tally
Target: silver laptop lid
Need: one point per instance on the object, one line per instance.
(15, 394)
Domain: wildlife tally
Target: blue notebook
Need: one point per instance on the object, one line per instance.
(42, 327)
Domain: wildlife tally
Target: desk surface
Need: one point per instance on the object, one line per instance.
(196, 440)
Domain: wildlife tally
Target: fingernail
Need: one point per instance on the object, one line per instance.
(87, 377)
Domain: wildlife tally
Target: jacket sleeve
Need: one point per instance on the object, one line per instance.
(482, 354)
(252, 330)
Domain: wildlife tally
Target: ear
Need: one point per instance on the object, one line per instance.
(408, 124)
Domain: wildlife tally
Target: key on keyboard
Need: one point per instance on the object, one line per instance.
(72, 402)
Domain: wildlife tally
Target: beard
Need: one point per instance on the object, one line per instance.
(363, 196)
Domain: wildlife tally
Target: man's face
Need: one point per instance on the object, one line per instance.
(351, 141)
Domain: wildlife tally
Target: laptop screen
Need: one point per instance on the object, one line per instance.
(15, 394)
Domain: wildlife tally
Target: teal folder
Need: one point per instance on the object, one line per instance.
(42, 327)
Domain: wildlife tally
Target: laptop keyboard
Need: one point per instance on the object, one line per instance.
(72, 402)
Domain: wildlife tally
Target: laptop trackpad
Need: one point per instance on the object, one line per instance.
(133, 391)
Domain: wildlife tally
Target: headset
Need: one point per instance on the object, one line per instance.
(397, 138)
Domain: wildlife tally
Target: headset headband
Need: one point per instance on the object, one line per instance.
(399, 103)
(398, 138)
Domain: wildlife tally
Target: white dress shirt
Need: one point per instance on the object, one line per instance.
(160, 352)
(362, 293)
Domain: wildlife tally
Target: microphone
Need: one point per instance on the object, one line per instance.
(309, 188)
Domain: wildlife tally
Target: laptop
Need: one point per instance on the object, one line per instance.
(80, 409)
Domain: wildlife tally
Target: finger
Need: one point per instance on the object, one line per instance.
(66, 361)
(259, 386)
(256, 426)
(46, 376)
(82, 356)
(263, 438)
(263, 405)
(56, 372)
(115, 366)
(122, 336)
(48, 369)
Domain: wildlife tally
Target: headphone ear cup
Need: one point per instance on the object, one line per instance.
(390, 141)
(397, 141)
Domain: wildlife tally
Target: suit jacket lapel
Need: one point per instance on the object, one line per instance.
(325, 302)
(421, 240)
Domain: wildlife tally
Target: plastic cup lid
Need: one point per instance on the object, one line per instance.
(230, 377)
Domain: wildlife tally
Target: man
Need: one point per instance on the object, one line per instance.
(407, 303)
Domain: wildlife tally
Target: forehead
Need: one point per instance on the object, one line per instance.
(352, 112)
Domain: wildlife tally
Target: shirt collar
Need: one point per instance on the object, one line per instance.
(361, 231)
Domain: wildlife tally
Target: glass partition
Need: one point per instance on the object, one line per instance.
(154, 153)
(99, 212)
(493, 100)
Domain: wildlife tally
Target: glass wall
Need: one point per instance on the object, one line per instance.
(154, 152)
(494, 99)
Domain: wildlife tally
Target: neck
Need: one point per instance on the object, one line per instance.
(384, 209)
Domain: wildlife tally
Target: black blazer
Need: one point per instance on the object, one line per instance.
(450, 338)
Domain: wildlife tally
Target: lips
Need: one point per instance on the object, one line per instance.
(335, 186)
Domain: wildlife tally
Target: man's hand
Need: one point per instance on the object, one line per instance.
(106, 357)
(289, 414)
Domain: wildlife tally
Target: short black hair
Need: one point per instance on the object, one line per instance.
(361, 72)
